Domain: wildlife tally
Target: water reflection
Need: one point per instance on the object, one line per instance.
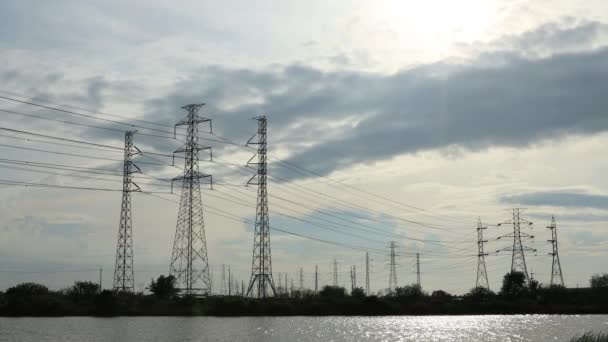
(337, 329)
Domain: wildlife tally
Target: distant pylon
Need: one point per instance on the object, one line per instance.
(556, 268)
(482, 274)
(392, 276)
(223, 289)
(301, 279)
(418, 270)
(316, 279)
(189, 263)
(518, 258)
(335, 272)
(261, 265)
(367, 273)
(124, 279)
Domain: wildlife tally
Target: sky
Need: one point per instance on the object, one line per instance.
(390, 120)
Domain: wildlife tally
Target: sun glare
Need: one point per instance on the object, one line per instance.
(441, 23)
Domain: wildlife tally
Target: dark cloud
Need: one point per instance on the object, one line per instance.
(516, 102)
(558, 199)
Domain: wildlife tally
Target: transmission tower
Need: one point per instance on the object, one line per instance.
(301, 279)
(123, 268)
(367, 273)
(335, 272)
(189, 263)
(556, 268)
(418, 270)
(482, 274)
(518, 258)
(392, 277)
(316, 279)
(223, 289)
(261, 265)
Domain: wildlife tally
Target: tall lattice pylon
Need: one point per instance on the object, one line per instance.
(189, 263)
(482, 274)
(261, 266)
(335, 283)
(556, 268)
(367, 291)
(392, 275)
(518, 257)
(124, 278)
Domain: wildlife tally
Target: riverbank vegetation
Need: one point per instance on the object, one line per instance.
(515, 297)
(591, 337)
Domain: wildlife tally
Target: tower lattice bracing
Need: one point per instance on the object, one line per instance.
(482, 274)
(556, 269)
(392, 276)
(518, 257)
(261, 266)
(124, 279)
(189, 263)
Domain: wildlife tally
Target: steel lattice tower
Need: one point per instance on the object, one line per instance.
(335, 272)
(261, 265)
(482, 274)
(189, 263)
(123, 268)
(392, 276)
(518, 258)
(418, 270)
(367, 273)
(556, 268)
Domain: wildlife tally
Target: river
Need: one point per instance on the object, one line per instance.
(338, 329)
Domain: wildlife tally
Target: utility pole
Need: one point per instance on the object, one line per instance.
(367, 273)
(316, 279)
(482, 274)
(418, 270)
(518, 258)
(261, 265)
(100, 283)
(189, 262)
(556, 267)
(124, 279)
(242, 288)
(301, 279)
(286, 288)
(291, 287)
(392, 277)
(335, 272)
(354, 278)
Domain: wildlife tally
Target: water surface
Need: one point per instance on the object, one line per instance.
(338, 329)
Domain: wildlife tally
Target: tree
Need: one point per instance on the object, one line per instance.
(83, 289)
(27, 290)
(513, 284)
(332, 291)
(163, 287)
(479, 293)
(413, 290)
(599, 280)
(358, 293)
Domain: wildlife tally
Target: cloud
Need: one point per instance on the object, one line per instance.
(558, 199)
(517, 102)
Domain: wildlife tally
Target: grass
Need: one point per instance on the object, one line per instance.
(591, 337)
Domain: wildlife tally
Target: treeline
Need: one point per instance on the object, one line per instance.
(516, 296)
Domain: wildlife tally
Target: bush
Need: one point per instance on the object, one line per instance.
(332, 292)
(409, 291)
(513, 284)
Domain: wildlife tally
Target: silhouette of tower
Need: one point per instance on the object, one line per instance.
(518, 258)
(392, 276)
(482, 274)
(556, 267)
(189, 263)
(301, 280)
(124, 279)
(261, 265)
(316, 279)
(418, 270)
(367, 273)
(335, 272)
